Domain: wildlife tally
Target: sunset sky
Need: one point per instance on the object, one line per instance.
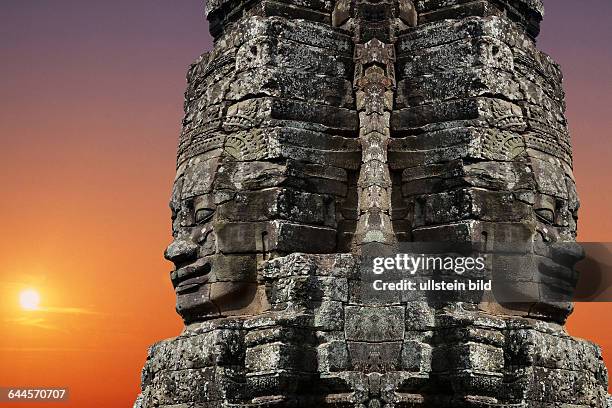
(91, 96)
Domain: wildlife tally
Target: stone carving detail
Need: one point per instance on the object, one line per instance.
(317, 132)
(374, 82)
(242, 116)
(500, 146)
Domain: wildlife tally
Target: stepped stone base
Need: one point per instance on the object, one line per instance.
(319, 345)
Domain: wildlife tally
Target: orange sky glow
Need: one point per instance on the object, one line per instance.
(91, 100)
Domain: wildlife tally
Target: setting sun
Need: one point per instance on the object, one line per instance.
(29, 299)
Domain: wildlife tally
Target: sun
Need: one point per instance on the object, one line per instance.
(29, 299)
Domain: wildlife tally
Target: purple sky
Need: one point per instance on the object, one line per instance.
(91, 96)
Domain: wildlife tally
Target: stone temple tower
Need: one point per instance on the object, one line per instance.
(317, 133)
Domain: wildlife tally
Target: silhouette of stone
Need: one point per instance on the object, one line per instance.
(319, 135)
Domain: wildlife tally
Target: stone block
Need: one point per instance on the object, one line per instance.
(375, 323)
(332, 357)
(279, 203)
(469, 356)
(279, 356)
(274, 236)
(416, 356)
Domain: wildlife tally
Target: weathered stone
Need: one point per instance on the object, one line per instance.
(374, 323)
(286, 204)
(319, 134)
(273, 236)
(272, 356)
(416, 357)
(333, 356)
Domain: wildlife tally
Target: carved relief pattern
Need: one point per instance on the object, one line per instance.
(374, 83)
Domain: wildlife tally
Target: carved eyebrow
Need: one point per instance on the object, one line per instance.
(203, 214)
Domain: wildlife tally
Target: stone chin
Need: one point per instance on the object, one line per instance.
(217, 286)
(554, 265)
(194, 303)
(537, 280)
(192, 288)
(207, 301)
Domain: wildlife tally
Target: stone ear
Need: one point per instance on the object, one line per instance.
(408, 13)
(341, 13)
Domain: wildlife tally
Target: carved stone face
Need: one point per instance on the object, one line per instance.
(208, 284)
(555, 211)
(193, 248)
(536, 275)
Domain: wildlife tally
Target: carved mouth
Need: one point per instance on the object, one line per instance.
(561, 274)
(189, 278)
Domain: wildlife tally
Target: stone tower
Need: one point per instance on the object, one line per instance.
(317, 134)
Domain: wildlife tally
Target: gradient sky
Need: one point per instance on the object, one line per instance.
(90, 110)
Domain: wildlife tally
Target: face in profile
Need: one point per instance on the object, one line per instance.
(556, 252)
(208, 284)
(537, 275)
(193, 247)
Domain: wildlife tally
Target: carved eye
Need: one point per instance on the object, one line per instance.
(545, 215)
(203, 215)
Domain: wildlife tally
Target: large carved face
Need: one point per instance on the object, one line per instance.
(537, 274)
(208, 284)
(555, 212)
(515, 193)
(193, 248)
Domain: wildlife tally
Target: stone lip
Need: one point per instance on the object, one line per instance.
(191, 275)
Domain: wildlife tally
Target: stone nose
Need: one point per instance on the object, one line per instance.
(180, 251)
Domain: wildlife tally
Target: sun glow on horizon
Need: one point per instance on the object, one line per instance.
(29, 299)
